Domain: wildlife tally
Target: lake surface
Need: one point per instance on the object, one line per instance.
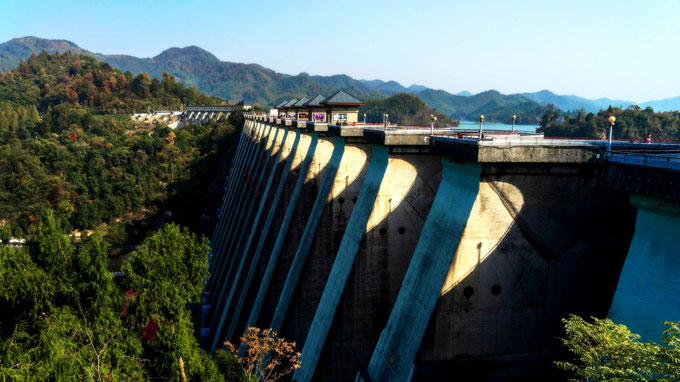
(498, 126)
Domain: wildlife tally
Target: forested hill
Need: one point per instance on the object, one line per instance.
(404, 109)
(256, 84)
(632, 123)
(253, 83)
(47, 80)
(496, 107)
(67, 143)
(92, 192)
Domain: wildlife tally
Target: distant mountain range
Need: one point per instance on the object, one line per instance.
(256, 84)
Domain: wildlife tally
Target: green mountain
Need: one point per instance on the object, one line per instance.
(51, 80)
(390, 87)
(13, 51)
(405, 108)
(573, 103)
(253, 83)
(194, 66)
(496, 107)
(72, 159)
(668, 104)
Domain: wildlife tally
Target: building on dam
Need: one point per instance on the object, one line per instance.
(430, 254)
(341, 107)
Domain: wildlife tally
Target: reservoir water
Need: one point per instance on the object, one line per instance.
(498, 126)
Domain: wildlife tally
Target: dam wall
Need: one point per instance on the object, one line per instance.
(393, 256)
(645, 300)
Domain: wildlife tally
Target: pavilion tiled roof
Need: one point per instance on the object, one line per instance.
(302, 101)
(316, 101)
(342, 98)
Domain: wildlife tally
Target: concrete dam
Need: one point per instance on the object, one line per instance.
(411, 254)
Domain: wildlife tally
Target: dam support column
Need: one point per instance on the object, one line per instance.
(395, 352)
(254, 225)
(230, 178)
(273, 209)
(647, 292)
(251, 170)
(247, 137)
(308, 235)
(283, 231)
(229, 215)
(343, 264)
(239, 225)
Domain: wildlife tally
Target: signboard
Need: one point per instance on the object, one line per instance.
(291, 114)
(302, 115)
(340, 117)
(319, 117)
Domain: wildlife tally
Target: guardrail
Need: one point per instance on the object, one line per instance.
(666, 160)
(217, 108)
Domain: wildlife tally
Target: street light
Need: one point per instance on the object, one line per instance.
(611, 120)
(513, 123)
(432, 119)
(481, 122)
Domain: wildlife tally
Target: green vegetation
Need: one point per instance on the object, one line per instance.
(86, 164)
(605, 351)
(16, 49)
(71, 159)
(495, 107)
(65, 317)
(258, 85)
(79, 81)
(632, 123)
(404, 109)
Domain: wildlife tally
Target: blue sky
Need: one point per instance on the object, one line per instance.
(617, 49)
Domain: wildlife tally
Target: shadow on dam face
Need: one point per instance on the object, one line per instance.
(391, 234)
(302, 210)
(539, 245)
(324, 247)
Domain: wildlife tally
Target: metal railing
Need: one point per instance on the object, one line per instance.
(668, 160)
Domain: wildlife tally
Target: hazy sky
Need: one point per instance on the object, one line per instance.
(621, 49)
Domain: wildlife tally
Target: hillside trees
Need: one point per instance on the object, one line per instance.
(60, 149)
(605, 351)
(632, 123)
(404, 109)
(65, 315)
(71, 159)
(47, 80)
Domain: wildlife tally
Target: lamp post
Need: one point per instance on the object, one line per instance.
(481, 123)
(611, 120)
(432, 119)
(513, 123)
